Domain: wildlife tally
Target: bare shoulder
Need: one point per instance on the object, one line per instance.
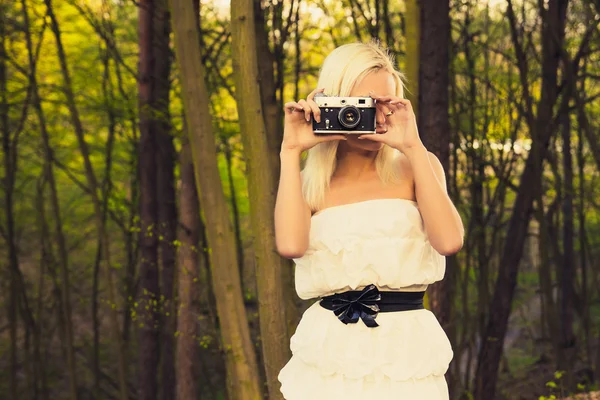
(407, 172)
(406, 168)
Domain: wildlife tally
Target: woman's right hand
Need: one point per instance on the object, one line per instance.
(298, 132)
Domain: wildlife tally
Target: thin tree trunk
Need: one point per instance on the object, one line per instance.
(167, 207)
(389, 33)
(434, 120)
(491, 351)
(582, 233)
(93, 189)
(239, 247)
(38, 363)
(567, 281)
(130, 244)
(107, 184)
(242, 370)
(61, 242)
(549, 311)
(9, 149)
(261, 190)
(62, 252)
(297, 53)
(189, 257)
(273, 125)
(413, 39)
(268, 90)
(149, 350)
(45, 261)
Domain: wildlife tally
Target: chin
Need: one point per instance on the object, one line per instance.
(362, 144)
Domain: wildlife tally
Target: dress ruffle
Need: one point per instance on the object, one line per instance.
(381, 242)
(388, 246)
(405, 357)
(302, 382)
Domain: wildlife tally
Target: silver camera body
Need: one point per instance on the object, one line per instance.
(345, 115)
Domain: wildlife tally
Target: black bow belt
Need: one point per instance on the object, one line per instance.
(367, 303)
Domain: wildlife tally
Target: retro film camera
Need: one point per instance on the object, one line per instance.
(350, 115)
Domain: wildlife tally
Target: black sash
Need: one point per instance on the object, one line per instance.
(367, 303)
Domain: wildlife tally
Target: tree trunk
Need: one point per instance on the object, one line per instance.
(567, 281)
(242, 370)
(239, 247)
(167, 207)
(582, 232)
(45, 261)
(66, 319)
(189, 257)
(434, 123)
(413, 35)
(261, 192)
(273, 124)
(273, 121)
(433, 118)
(93, 186)
(491, 351)
(109, 99)
(61, 242)
(549, 310)
(149, 350)
(9, 149)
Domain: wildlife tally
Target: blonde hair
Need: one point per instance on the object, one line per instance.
(344, 68)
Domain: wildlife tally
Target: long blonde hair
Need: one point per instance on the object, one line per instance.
(344, 68)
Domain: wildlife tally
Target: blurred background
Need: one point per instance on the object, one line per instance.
(120, 127)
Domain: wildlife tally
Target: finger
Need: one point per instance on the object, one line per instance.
(307, 110)
(292, 106)
(400, 102)
(386, 107)
(389, 109)
(386, 99)
(315, 109)
(381, 98)
(385, 111)
(314, 92)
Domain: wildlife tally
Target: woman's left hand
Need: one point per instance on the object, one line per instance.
(402, 133)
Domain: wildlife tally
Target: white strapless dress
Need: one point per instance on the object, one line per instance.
(382, 242)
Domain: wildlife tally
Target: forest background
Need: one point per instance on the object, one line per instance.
(122, 122)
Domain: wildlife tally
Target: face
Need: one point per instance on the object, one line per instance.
(382, 83)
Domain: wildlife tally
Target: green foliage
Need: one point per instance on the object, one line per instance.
(487, 127)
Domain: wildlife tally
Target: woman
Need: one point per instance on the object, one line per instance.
(368, 222)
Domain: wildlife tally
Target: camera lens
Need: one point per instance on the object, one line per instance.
(349, 117)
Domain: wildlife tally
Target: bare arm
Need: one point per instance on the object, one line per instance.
(292, 214)
(441, 219)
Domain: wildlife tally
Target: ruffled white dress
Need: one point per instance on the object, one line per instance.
(382, 242)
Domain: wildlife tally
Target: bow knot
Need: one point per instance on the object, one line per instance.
(364, 306)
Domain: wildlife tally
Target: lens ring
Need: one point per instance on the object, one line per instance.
(349, 117)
